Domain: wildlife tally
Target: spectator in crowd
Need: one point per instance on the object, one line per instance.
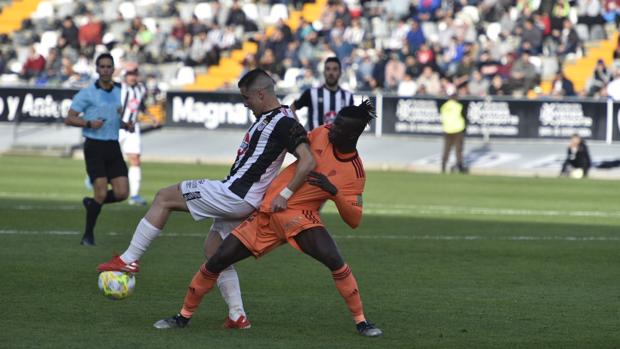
(91, 33)
(394, 72)
(498, 87)
(34, 66)
(568, 39)
(415, 37)
(407, 87)
(198, 52)
(236, 16)
(523, 75)
(561, 86)
(532, 35)
(69, 34)
(430, 81)
(601, 77)
(478, 86)
(613, 88)
(577, 162)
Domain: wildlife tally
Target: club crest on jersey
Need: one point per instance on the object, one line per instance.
(329, 117)
(262, 125)
(244, 145)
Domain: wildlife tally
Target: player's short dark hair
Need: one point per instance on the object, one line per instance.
(335, 60)
(250, 78)
(103, 56)
(365, 111)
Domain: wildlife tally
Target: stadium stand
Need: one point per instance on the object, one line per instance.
(207, 45)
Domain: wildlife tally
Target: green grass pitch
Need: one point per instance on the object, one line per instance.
(442, 262)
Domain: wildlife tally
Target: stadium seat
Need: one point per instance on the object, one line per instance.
(45, 10)
(493, 30)
(203, 11)
(278, 11)
(290, 78)
(49, 39)
(582, 31)
(185, 76)
(127, 9)
(251, 11)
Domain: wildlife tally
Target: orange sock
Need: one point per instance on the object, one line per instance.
(201, 284)
(347, 286)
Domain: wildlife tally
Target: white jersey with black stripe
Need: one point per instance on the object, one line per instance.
(132, 101)
(261, 155)
(323, 104)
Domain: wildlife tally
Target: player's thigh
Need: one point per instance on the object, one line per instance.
(317, 243)
(212, 243)
(170, 198)
(220, 229)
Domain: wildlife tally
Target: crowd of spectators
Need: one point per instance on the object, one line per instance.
(418, 47)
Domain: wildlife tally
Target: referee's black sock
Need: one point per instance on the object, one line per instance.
(93, 208)
(110, 198)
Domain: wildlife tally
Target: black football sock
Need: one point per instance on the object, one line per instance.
(110, 198)
(93, 208)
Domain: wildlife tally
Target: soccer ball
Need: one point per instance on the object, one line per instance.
(116, 285)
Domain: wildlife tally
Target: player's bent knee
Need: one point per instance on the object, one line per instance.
(332, 260)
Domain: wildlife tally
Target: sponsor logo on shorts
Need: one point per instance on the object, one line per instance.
(191, 195)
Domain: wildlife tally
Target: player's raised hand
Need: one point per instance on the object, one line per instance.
(129, 126)
(278, 204)
(321, 181)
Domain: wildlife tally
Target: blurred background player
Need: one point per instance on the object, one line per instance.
(133, 96)
(325, 101)
(99, 104)
(339, 177)
(230, 201)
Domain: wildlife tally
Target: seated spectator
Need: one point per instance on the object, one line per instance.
(394, 72)
(91, 33)
(430, 81)
(561, 86)
(523, 75)
(568, 40)
(532, 35)
(577, 162)
(407, 87)
(487, 66)
(601, 77)
(69, 34)
(498, 88)
(478, 86)
(34, 65)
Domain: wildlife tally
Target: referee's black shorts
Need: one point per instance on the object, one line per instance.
(104, 159)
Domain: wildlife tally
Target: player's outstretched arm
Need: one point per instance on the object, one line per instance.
(305, 164)
(349, 206)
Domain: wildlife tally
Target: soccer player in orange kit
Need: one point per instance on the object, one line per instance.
(338, 176)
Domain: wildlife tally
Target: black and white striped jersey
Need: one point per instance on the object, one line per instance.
(132, 100)
(323, 104)
(262, 152)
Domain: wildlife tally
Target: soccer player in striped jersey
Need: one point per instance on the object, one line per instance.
(133, 95)
(232, 200)
(325, 102)
(338, 176)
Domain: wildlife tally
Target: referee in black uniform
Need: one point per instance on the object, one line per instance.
(100, 106)
(325, 101)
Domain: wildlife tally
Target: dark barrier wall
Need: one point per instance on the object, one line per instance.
(495, 117)
(223, 110)
(500, 117)
(34, 104)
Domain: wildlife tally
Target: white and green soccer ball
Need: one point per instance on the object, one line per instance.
(116, 285)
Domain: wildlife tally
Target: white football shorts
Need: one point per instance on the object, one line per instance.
(131, 142)
(207, 198)
(225, 226)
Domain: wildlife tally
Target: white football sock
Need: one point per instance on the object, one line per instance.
(143, 236)
(135, 176)
(228, 283)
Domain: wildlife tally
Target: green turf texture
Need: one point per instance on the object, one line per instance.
(442, 261)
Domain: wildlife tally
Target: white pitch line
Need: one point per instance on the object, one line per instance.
(357, 237)
(395, 210)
